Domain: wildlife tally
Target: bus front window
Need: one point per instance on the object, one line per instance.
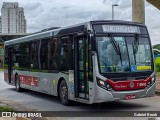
(123, 54)
(112, 54)
(139, 54)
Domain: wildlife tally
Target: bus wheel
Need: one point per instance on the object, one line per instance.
(63, 93)
(18, 87)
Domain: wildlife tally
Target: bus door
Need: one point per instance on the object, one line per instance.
(81, 67)
(10, 63)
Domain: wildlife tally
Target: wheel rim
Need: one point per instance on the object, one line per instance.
(63, 93)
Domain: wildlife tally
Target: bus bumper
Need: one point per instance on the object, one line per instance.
(104, 96)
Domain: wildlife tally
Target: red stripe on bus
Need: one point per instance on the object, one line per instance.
(29, 80)
(129, 84)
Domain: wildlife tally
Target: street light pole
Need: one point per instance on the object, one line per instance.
(113, 5)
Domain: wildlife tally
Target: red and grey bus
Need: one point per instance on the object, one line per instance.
(92, 62)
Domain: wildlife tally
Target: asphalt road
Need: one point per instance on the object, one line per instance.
(29, 100)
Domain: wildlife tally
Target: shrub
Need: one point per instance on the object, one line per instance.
(157, 64)
(6, 109)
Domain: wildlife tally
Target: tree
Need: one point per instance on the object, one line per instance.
(156, 47)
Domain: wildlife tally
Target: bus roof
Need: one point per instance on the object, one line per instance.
(65, 30)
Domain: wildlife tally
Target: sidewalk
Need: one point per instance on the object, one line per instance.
(158, 84)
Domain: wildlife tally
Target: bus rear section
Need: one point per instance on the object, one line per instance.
(93, 62)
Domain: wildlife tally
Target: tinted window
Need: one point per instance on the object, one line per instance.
(23, 57)
(17, 57)
(64, 55)
(48, 54)
(52, 48)
(6, 56)
(34, 52)
(44, 54)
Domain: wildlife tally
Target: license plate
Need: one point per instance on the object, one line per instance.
(129, 97)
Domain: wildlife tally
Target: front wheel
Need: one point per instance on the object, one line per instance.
(18, 87)
(63, 93)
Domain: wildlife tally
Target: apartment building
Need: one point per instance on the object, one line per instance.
(13, 19)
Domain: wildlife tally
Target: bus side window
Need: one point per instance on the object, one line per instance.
(24, 53)
(71, 51)
(52, 47)
(6, 57)
(64, 54)
(16, 55)
(34, 46)
(44, 54)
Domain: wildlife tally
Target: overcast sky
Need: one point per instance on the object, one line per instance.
(41, 14)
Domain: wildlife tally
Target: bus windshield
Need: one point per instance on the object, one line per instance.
(124, 54)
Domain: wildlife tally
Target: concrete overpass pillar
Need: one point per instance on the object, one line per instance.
(138, 11)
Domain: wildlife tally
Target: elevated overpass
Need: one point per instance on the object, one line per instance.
(5, 36)
(155, 3)
(138, 9)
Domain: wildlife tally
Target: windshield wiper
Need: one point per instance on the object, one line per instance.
(135, 46)
(116, 47)
(134, 55)
(136, 43)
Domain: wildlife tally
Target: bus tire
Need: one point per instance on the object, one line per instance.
(18, 86)
(63, 93)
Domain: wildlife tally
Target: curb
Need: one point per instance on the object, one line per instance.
(154, 119)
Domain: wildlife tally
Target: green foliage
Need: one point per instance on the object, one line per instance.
(6, 109)
(156, 47)
(157, 64)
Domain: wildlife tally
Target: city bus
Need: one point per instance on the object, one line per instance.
(91, 62)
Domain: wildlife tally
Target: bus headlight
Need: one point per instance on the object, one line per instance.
(104, 85)
(153, 80)
(101, 83)
(149, 84)
(109, 88)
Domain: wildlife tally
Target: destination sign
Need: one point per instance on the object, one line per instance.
(120, 29)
